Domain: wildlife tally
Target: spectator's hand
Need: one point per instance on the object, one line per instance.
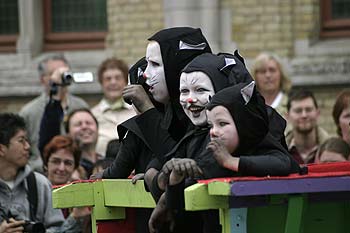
(80, 212)
(222, 156)
(161, 217)
(97, 175)
(137, 177)
(56, 78)
(138, 96)
(12, 226)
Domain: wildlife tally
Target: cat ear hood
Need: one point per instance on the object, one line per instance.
(136, 72)
(178, 47)
(136, 77)
(223, 69)
(248, 110)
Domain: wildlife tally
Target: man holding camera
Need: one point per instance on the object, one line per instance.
(32, 112)
(25, 196)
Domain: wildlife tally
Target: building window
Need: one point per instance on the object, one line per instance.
(8, 25)
(78, 24)
(335, 18)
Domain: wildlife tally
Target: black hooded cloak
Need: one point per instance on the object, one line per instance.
(178, 47)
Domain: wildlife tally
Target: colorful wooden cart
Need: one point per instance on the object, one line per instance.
(317, 202)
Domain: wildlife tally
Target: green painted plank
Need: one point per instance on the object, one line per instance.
(122, 193)
(101, 211)
(225, 220)
(219, 188)
(73, 195)
(198, 198)
(295, 213)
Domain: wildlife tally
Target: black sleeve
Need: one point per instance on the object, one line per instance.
(158, 138)
(175, 198)
(272, 162)
(50, 123)
(125, 161)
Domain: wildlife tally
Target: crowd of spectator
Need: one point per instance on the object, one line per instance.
(59, 137)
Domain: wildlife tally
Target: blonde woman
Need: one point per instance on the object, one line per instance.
(272, 81)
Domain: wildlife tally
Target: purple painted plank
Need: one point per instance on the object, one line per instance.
(265, 200)
(307, 185)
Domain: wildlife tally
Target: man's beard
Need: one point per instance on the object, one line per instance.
(305, 131)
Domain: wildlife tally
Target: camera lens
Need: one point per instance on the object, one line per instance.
(67, 78)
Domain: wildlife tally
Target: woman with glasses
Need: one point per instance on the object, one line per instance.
(61, 157)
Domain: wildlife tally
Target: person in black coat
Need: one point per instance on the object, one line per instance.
(139, 145)
(168, 52)
(266, 157)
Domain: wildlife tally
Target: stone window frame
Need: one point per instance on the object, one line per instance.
(330, 27)
(8, 41)
(69, 40)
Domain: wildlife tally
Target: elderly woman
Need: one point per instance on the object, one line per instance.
(272, 81)
(341, 115)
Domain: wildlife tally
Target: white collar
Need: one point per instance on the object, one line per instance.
(277, 100)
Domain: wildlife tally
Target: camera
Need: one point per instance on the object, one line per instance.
(69, 77)
(28, 226)
(33, 227)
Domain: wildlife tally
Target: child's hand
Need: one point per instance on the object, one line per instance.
(187, 167)
(184, 168)
(222, 156)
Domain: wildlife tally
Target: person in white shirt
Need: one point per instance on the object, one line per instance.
(111, 110)
(272, 81)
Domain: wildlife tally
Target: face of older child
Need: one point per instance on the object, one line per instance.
(196, 89)
(154, 73)
(223, 127)
(60, 166)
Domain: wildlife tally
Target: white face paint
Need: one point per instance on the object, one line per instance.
(154, 73)
(195, 91)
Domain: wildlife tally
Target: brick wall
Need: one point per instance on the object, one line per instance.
(130, 24)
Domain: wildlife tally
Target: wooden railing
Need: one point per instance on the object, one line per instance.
(310, 203)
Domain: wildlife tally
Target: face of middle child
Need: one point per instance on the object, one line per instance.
(196, 89)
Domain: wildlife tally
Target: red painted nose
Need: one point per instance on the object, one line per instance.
(190, 100)
(144, 76)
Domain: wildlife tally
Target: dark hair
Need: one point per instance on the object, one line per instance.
(112, 148)
(62, 142)
(336, 145)
(42, 66)
(103, 163)
(70, 115)
(300, 94)
(10, 124)
(113, 63)
(342, 102)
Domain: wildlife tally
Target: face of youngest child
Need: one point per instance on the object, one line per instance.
(223, 127)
